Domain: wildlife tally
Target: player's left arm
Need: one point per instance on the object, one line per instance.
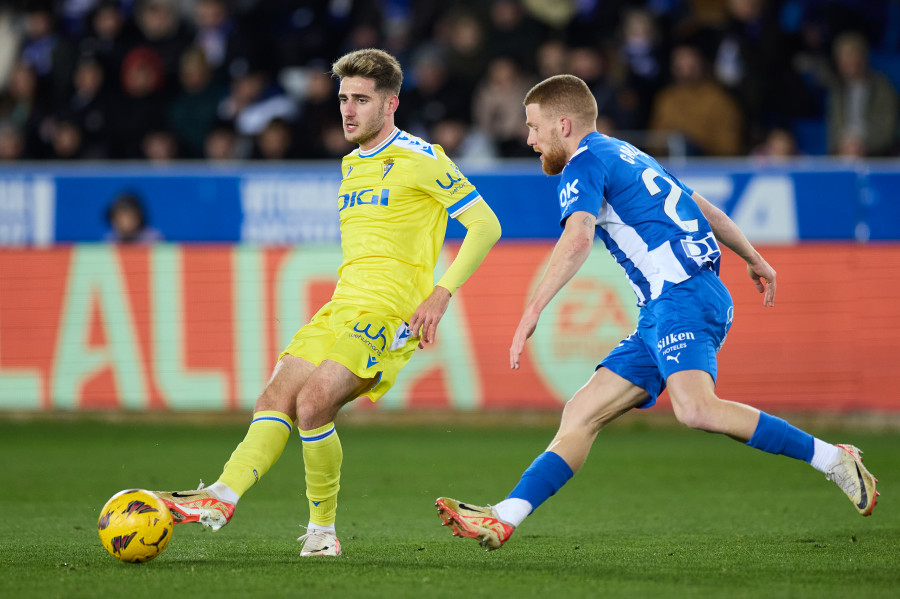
(482, 232)
(731, 236)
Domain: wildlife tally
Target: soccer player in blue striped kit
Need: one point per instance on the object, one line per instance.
(667, 238)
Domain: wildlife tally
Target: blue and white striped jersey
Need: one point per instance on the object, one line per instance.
(645, 216)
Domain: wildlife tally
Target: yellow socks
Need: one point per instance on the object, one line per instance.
(260, 449)
(263, 445)
(322, 457)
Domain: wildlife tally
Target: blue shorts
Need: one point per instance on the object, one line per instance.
(683, 329)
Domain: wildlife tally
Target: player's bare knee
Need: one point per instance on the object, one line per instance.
(577, 417)
(693, 414)
(311, 415)
(270, 401)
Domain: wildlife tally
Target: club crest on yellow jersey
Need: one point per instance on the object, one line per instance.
(386, 167)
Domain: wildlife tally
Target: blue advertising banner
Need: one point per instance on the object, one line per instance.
(27, 209)
(880, 206)
(293, 203)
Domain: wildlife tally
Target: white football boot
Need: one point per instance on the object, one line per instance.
(854, 479)
(320, 543)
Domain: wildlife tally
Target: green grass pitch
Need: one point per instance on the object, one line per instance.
(656, 512)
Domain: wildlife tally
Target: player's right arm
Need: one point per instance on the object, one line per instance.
(570, 252)
(730, 235)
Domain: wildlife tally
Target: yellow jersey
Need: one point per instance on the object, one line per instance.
(393, 204)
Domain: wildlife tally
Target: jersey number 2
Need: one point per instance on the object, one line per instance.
(648, 176)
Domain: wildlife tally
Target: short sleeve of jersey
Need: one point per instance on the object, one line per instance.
(441, 179)
(583, 186)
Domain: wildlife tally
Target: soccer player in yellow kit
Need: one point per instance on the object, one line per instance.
(396, 194)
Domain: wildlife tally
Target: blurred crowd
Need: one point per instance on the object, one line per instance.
(162, 80)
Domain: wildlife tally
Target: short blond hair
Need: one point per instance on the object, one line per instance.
(371, 63)
(565, 95)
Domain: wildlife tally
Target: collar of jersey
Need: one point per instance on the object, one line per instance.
(390, 139)
(582, 146)
(586, 139)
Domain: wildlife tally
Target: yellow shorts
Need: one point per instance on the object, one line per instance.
(370, 345)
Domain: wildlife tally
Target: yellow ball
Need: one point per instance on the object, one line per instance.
(135, 525)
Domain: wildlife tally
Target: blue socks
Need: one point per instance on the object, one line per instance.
(549, 472)
(774, 435)
(546, 475)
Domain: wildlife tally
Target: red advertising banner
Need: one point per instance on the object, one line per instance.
(96, 327)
